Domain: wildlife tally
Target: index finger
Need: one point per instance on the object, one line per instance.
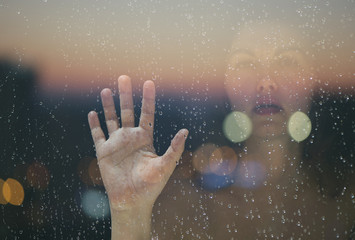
(97, 134)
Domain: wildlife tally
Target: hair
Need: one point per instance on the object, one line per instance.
(329, 151)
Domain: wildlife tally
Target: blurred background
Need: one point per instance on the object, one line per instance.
(56, 56)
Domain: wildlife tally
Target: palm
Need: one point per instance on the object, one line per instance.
(129, 170)
(132, 173)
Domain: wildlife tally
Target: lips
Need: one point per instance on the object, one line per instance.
(267, 106)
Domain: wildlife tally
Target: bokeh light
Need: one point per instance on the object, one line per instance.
(2, 197)
(185, 170)
(94, 172)
(38, 176)
(13, 192)
(223, 161)
(89, 171)
(237, 127)
(250, 174)
(95, 204)
(299, 126)
(200, 158)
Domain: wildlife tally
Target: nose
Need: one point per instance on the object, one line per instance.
(266, 85)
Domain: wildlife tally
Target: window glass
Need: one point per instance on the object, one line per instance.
(264, 88)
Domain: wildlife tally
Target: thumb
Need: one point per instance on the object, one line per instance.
(173, 154)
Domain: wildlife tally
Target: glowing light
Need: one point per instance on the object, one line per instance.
(213, 182)
(13, 192)
(89, 171)
(250, 174)
(299, 126)
(200, 158)
(95, 204)
(237, 127)
(38, 176)
(94, 173)
(2, 197)
(223, 161)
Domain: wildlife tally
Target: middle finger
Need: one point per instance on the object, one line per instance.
(126, 101)
(110, 111)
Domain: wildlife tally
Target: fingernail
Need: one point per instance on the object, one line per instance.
(185, 132)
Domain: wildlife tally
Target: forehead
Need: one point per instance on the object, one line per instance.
(267, 37)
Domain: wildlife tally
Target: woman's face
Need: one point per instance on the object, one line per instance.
(269, 77)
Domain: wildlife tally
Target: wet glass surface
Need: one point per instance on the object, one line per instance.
(265, 90)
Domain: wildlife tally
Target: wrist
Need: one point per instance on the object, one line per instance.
(133, 223)
(132, 214)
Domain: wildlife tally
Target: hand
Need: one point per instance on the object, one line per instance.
(132, 173)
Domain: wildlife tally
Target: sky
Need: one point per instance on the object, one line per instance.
(86, 45)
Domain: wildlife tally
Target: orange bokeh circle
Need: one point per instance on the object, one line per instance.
(13, 192)
(2, 197)
(89, 172)
(38, 176)
(223, 161)
(200, 157)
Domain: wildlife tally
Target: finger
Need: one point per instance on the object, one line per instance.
(126, 101)
(148, 107)
(96, 131)
(110, 111)
(173, 154)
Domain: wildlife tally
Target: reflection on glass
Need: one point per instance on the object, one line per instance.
(266, 184)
